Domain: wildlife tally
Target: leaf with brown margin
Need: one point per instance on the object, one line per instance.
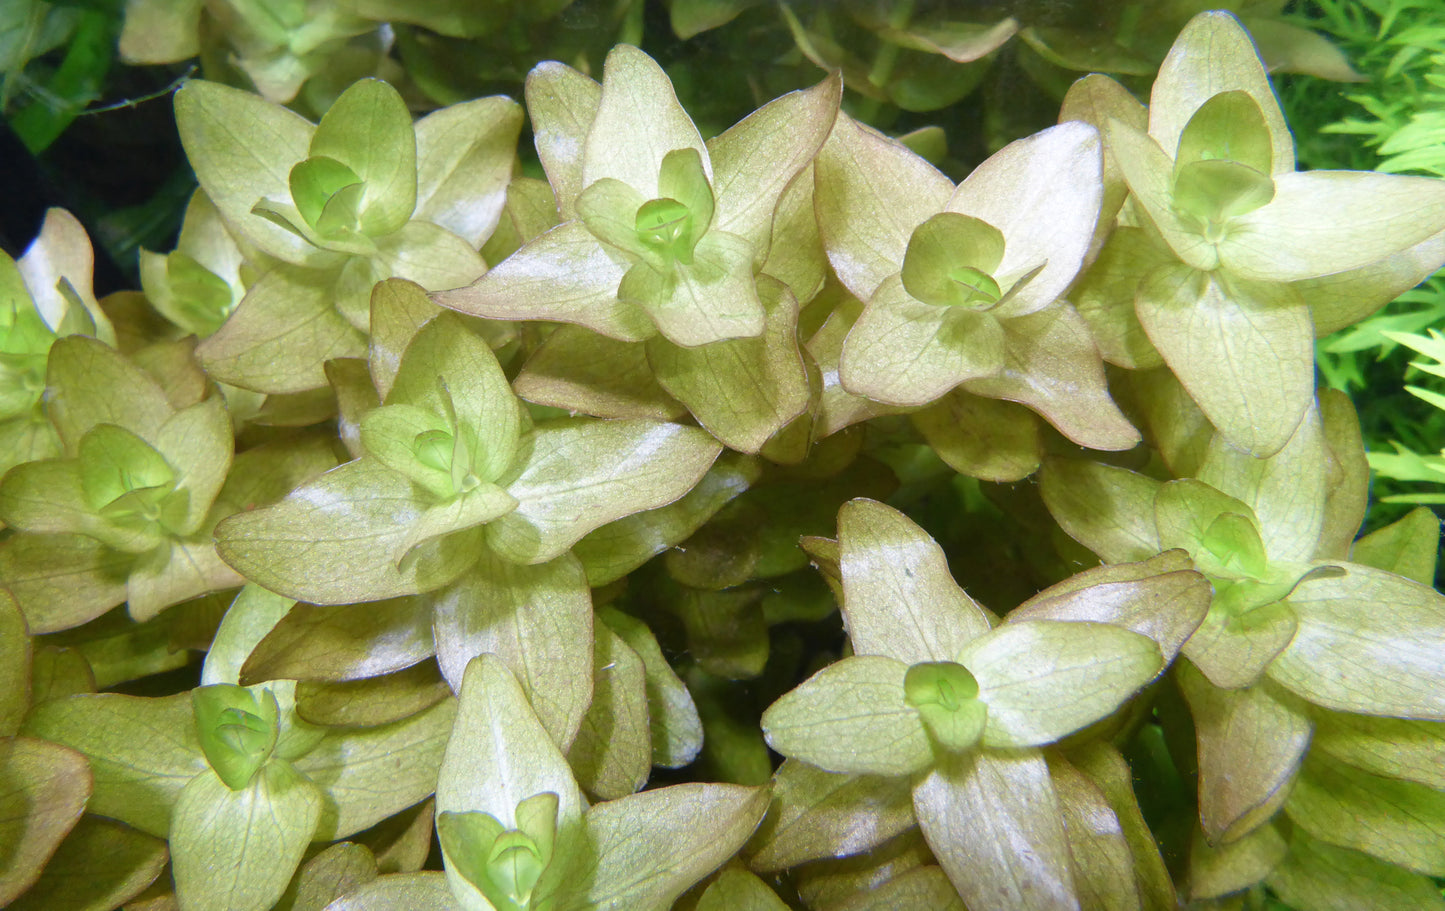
(860, 170)
(399, 309)
(344, 642)
(43, 789)
(401, 842)
(142, 752)
(1115, 779)
(619, 547)
(1105, 508)
(1347, 473)
(89, 383)
(994, 823)
(1095, 99)
(367, 774)
(827, 883)
(899, 598)
(536, 620)
(101, 865)
(1408, 547)
(1102, 862)
(1398, 821)
(374, 700)
(672, 715)
(1368, 641)
(983, 438)
(580, 370)
(817, 814)
(1214, 872)
(1250, 748)
(1394, 747)
(612, 753)
(1162, 598)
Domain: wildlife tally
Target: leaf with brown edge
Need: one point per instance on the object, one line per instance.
(343, 642)
(43, 789)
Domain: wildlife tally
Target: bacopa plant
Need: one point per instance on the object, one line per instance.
(739, 524)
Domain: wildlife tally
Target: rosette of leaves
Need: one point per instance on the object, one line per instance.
(1228, 261)
(961, 710)
(1294, 627)
(962, 286)
(125, 512)
(459, 495)
(235, 780)
(518, 835)
(329, 210)
(276, 46)
(43, 296)
(658, 253)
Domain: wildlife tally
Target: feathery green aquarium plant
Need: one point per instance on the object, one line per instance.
(623, 525)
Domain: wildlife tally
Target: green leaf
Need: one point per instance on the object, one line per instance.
(347, 642)
(499, 754)
(1045, 679)
(237, 728)
(308, 545)
(744, 390)
(644, 850)
(16, 650)
(89, 383)
(982, 438)
(1114, 777)
(1220, 532)
(142, 752)
(951, 259)
(1104, 297)
(756, 159)
(368, 130)
(993, 822)
(1398, 821)
(43, 789)
(1216, 870)
(399, 309)
(1043, 194)
(581, 474)
(638, 122)
(1212, 55)
(452, 373)
(1251, 744)
(903, 351)
(852, 716)
(1394, 747)
(738, 890)
(62, 581)
(242, 148)
(1149, 172)
(400, 892)
(817, 814)
(562, 104)
(707, 300)
(859, 170)
(1322, 222)
(899, 599)
(612, 754)
(101, 865)
(373, 700)
(1223, 336)
(565, 275)
(1242, 634)
(1368, 641)
(336, 871)
(368, 774)
(197, 443)
(282, 333)
(315, 181)
(1103, 507)
(1285, 492)
(946, 697)
(240, 848)
(1315, 874)
(465, 154)
(676, 730)
(537, 620)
